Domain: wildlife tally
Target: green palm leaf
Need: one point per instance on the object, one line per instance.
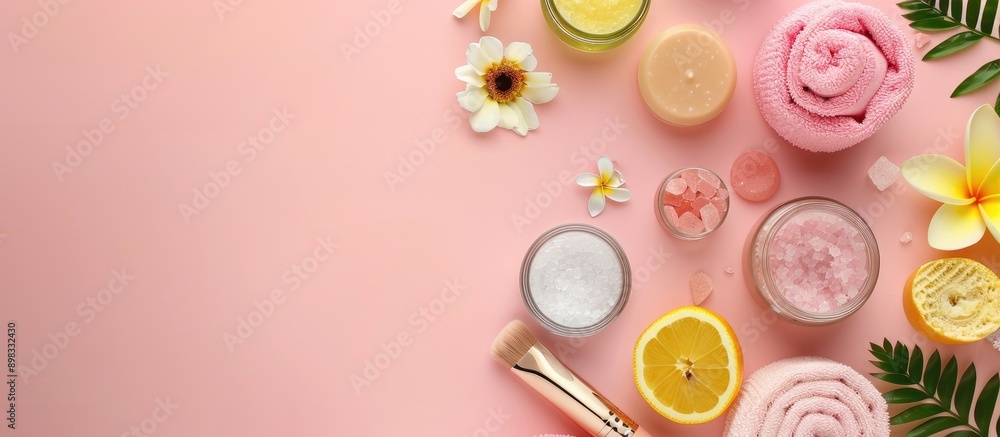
(942, 400)
(953, 44)
(984, 75)
(987, 402)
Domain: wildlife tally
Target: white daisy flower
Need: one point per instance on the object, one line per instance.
(501, 86)
(486, 6)
(606, 184)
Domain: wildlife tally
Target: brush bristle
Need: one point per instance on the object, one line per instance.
(512, 343)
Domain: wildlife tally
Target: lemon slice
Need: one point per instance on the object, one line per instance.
(688, 365)
(953, 301)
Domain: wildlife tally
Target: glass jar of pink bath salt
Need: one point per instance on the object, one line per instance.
(691, 203)
(812, 260)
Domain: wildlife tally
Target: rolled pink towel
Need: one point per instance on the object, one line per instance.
(807, 396)
(831, 73)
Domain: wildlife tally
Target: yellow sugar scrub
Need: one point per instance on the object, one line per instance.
(599, 17)
(953, 301)
(594, 25)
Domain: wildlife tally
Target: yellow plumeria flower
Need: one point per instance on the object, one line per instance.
(607, 184)
(486, 6)
(970, 193)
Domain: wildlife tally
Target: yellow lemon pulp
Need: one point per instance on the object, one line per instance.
(688, 365)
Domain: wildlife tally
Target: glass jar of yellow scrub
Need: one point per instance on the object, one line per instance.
(594, 25)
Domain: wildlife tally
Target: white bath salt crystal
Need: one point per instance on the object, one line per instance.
(921, 39)
(701, 286)
(575, 279)
(883, 173)
(906, 237)
(729, 269)
(995, 339)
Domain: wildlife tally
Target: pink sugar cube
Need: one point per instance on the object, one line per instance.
(690, 194)
(671, 214)
(677, 186)
(711, 179)
(706, 188)
(720, 205)
(699, 203)
(701, 286)
(710, 216)
(691, 178)
(672, 199)
(689, 223)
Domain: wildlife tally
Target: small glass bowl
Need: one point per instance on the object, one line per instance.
(552, 325)
(590, 42)
(757, 270)
(661, 215)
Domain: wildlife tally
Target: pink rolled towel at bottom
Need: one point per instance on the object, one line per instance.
(807, 396)
(831, 73)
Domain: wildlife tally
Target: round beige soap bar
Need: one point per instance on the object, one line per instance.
(687, 75)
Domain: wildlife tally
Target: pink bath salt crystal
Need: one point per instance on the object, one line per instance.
(710, 216)
(722, 193)
(689, 223)
(700, 203)
(701, 286)
(883, 173)
(994, 338)
(921, 39)
(818, 261)
(906, 237)
(677, 186)
(729, 269)
(754, 176)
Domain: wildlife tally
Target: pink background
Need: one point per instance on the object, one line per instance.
(356, 118)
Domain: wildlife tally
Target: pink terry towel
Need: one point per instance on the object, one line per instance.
(807, 396)
(831, 73)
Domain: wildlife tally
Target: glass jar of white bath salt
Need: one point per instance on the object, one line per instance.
(575, 280)
(813, 261)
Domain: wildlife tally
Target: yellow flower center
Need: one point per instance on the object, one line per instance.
(505, 81)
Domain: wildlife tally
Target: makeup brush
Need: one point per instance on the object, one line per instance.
(534, 364)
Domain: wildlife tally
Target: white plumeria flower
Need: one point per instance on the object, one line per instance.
(607, 184)
(486, 6)
(501, 86)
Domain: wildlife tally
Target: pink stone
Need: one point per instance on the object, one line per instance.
(754, 176)
(689, 223)
(710, 216)
(677, 186)
(701, 286)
